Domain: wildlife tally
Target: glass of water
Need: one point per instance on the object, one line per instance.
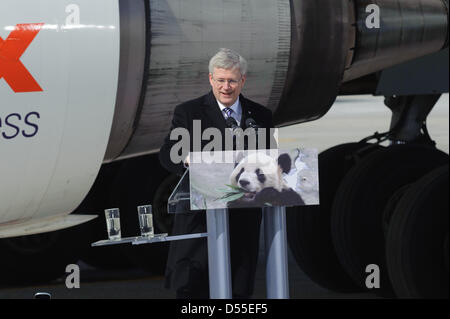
(113, 223)
(146, 220)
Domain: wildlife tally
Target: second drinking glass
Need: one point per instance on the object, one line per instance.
(146, 220)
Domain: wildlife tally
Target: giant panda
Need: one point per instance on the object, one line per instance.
(260, 176)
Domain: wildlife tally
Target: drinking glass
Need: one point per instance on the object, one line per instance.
(113, 223)
(146, 220)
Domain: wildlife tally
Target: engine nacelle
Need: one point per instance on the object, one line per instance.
(59, 65)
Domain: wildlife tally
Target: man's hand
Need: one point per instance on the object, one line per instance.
(187, 161)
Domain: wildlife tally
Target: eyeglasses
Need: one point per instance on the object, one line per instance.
(232, 83)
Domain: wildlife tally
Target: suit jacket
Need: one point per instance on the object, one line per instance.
(206, 109)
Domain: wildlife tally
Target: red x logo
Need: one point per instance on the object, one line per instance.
(11, 49)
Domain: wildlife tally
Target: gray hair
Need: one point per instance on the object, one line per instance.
(228, 59)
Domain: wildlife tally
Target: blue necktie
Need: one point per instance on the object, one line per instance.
(227, 112)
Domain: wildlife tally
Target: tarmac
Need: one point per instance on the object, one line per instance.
(137, 284)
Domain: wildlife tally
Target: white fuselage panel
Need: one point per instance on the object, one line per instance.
(59, 64)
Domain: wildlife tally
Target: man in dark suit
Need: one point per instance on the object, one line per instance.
(187, 266)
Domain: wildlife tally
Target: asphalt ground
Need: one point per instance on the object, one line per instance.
(137, 284)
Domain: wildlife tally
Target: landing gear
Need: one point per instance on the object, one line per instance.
(386, 206)
(309, 232)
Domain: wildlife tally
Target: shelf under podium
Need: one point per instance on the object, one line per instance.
(139, 240)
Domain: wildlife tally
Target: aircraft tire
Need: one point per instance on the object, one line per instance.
(390, 207)
(309, 233)
(417, 243)
(356, 220)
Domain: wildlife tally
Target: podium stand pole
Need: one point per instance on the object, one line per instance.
(277, 284)
(218, 254)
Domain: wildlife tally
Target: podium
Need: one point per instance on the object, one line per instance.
(277, 285)
(219, 244)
